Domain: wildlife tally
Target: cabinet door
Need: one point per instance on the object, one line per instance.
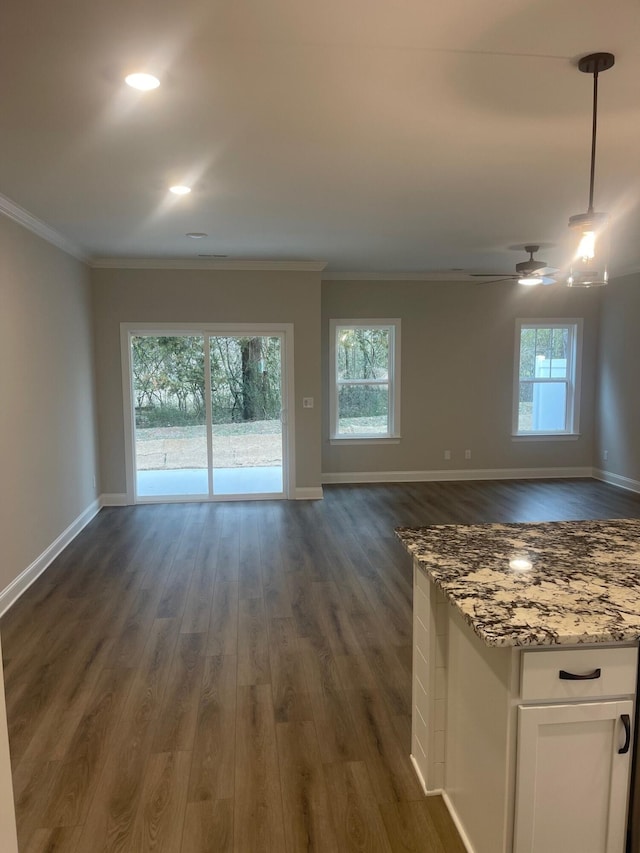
(571, 780)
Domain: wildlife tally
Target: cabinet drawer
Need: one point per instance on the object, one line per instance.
(546, 675)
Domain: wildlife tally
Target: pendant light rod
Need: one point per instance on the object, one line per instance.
(594, 130)
(594, 63)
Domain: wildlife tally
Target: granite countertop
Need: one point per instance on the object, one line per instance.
(549, 583)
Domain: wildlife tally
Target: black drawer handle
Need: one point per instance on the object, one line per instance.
(626, 722)
(572, 676)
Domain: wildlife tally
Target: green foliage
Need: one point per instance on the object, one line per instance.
(358, 401)
(169, 379)
(362, 353)
(542, 347)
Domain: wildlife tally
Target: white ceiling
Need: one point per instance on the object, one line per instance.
(378, 136)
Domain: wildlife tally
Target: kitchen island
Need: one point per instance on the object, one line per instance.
(525, 662)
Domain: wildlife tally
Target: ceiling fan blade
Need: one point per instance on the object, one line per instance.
(491, 274)
(496, 280)
(545, 271)
(547, 279)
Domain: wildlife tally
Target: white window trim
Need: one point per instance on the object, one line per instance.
(393, 436)
(573, 383)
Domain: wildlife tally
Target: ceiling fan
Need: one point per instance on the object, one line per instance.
(531, 271)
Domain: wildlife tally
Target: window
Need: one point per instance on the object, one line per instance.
(365, 384)
(546, 393)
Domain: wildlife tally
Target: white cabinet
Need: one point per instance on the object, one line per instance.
(523, 743)
(572, 777)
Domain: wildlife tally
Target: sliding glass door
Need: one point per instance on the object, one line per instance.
(168, 379)
(207, 414)
(246, 410)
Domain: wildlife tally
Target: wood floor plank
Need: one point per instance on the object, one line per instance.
(111, 818)
(222, 638)
(163, 801)
(290, 693)
(178, 713)
(208, 827)
(356, 817)
(228, 563)
(307, 818)
(336, 624)
(53, 734)
(336, 728)
(249, 577)
(253, 643)
(133, 633)
(214, 751)
(197, 611)
(32, 788)
(392, 776)
(175, 590)
(78, 774)
(411, 830)
(441, 819)
(258, 818)
(60, 839)
(277, 599)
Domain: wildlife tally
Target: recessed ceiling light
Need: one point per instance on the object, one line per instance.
(141, 81)
(179, 189)
(196, 235)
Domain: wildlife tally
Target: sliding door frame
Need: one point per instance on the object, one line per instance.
(207, 330)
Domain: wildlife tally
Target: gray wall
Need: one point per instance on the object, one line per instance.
(203, 296)
(457, 373)
(47, 418)
(618, 409)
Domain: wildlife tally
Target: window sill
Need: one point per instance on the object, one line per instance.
(391, 439)
(546, 436)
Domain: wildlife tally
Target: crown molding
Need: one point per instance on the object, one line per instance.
(41, 229)
(205, 264)
(397, 276)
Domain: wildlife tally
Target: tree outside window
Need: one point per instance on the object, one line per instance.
(365, 363)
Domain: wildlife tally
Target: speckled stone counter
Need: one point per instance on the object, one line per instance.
(550, 583)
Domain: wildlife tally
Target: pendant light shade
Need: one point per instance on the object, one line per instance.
(590, 261)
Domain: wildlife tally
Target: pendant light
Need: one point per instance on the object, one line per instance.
(590, 259)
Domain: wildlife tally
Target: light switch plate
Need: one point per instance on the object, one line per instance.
(307, 402)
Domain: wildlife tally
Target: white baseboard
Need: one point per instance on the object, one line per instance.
(440, 792)
(418, 773)
(456, 820)
(617, 480)
(12, 593)
(309, 493)
(113, 500)
(456, 474)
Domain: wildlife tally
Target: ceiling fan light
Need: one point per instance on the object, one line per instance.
(530, 279)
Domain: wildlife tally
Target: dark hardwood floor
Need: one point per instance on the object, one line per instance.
(237, 677)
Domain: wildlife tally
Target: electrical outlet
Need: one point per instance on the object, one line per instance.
(447, 454)
(307, 402)
(605, 455)
(467, 454)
